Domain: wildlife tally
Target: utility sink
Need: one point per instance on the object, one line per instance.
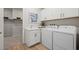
(32, 36)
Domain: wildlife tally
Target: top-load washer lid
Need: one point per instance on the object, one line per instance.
(65, 29)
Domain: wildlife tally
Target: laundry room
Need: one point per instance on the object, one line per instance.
(39, 28)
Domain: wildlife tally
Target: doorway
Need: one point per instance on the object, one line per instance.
(13, 20)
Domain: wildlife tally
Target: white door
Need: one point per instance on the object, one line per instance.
(69, 12)
(47, 38)
(1, 28)
(62, 41)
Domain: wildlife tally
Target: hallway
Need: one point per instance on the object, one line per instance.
(12, 33)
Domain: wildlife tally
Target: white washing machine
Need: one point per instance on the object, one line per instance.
(64, 38)
(59, 38)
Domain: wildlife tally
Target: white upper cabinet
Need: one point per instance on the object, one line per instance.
(43, 15)
(53, 13)
(69, 12)
(50, 13)
(58, 13)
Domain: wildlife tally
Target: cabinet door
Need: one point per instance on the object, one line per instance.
(69, 12)
(63, 40)
(43, 15)
(53, 13)
(47, 38)
(35, 37)
(59, 13)
(32, 37)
